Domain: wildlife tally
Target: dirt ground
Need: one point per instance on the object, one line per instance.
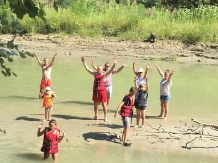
(160, 50)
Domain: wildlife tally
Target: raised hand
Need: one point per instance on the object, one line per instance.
(41, 124)
(172, 72)
(148, 65)
(55, 54)
(64, 133)
(83, 59)
(124, 64)
(92, 62)
(115, 60)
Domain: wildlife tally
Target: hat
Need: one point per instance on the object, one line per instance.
(47, 88)
(140, 70)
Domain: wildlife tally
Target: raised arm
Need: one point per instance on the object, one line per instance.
(134, 69)
(146, 85)
(112, 68)
(60, 138)
(146, 71)
(52, 61)
(135, 81)
(93, 65)
(37, 58)
(118, 108)
(160, 71)
(120, 69)
(86, 67)
(40, 133)
(170, 76)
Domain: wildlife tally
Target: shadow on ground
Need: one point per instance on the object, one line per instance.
(25, 118)
(30, 156)
(70, 117)
(76, 102)
(103, 136)
(114, 126)
(22, 97)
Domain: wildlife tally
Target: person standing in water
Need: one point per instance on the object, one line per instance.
(99, 89)
(165, 85)
(51, 139)
(109, 78)
(141, 75)
(140, 101)
(125, 109)
(46, 72)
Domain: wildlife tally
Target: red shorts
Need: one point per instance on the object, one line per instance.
(45, 83)
(99, 96)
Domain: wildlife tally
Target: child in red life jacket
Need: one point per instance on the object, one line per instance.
(47, 102)
(51, 139)
(125, 109)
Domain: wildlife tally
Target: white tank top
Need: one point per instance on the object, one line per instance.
(140, 80)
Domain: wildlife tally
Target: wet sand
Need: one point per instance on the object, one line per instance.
(171, 134)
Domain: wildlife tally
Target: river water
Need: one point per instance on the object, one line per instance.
(193, 95)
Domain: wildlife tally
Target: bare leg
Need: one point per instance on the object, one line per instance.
(166, 109)
(162, 108)
(125, 134)
(46, 113)
(137, 118)
(96, 109)
(105, 111)
(143, 116)
(46, 155)
(108, 101)
(49, 114)
(55, 157)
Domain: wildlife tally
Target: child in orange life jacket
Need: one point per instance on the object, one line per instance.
(47, 102)
(51, 139)
(125, 109)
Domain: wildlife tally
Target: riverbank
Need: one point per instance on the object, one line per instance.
(161, 50)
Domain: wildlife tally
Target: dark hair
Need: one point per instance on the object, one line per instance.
(52, 121)
(132, 89)
(106, 63)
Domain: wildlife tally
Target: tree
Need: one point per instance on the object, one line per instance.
(32, 8)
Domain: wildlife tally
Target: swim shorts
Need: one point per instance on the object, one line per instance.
(99, 95)
(126, 121)
(109, 91)
(45, 83)
(165, 98)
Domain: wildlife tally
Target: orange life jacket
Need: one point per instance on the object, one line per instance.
(47, 100)
(126, 111)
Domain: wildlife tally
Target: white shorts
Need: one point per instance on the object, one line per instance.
(109, 91)
(48, 109)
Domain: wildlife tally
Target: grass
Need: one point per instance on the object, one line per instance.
(128, 22)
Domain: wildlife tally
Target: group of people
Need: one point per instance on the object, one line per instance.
(102, 91)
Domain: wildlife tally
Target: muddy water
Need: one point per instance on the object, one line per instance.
(193, 94)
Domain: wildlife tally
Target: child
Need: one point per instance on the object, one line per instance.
(125, 109)
(51, 139)
(165, 85)
(47, 102)
(141, 101)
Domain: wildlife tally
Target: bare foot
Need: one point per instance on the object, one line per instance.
(105, 119)
(136, 126)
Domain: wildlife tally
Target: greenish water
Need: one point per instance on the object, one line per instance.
(193, 94)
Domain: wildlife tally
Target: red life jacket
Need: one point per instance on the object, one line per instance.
(99, 82)
(126, 111)
(50, 141)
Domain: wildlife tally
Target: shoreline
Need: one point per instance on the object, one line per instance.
(161, 50)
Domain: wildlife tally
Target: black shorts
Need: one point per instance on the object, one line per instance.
(141, 107)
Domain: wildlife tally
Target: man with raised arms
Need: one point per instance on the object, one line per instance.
(99, 89)
(46, 73)
(109, 78)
